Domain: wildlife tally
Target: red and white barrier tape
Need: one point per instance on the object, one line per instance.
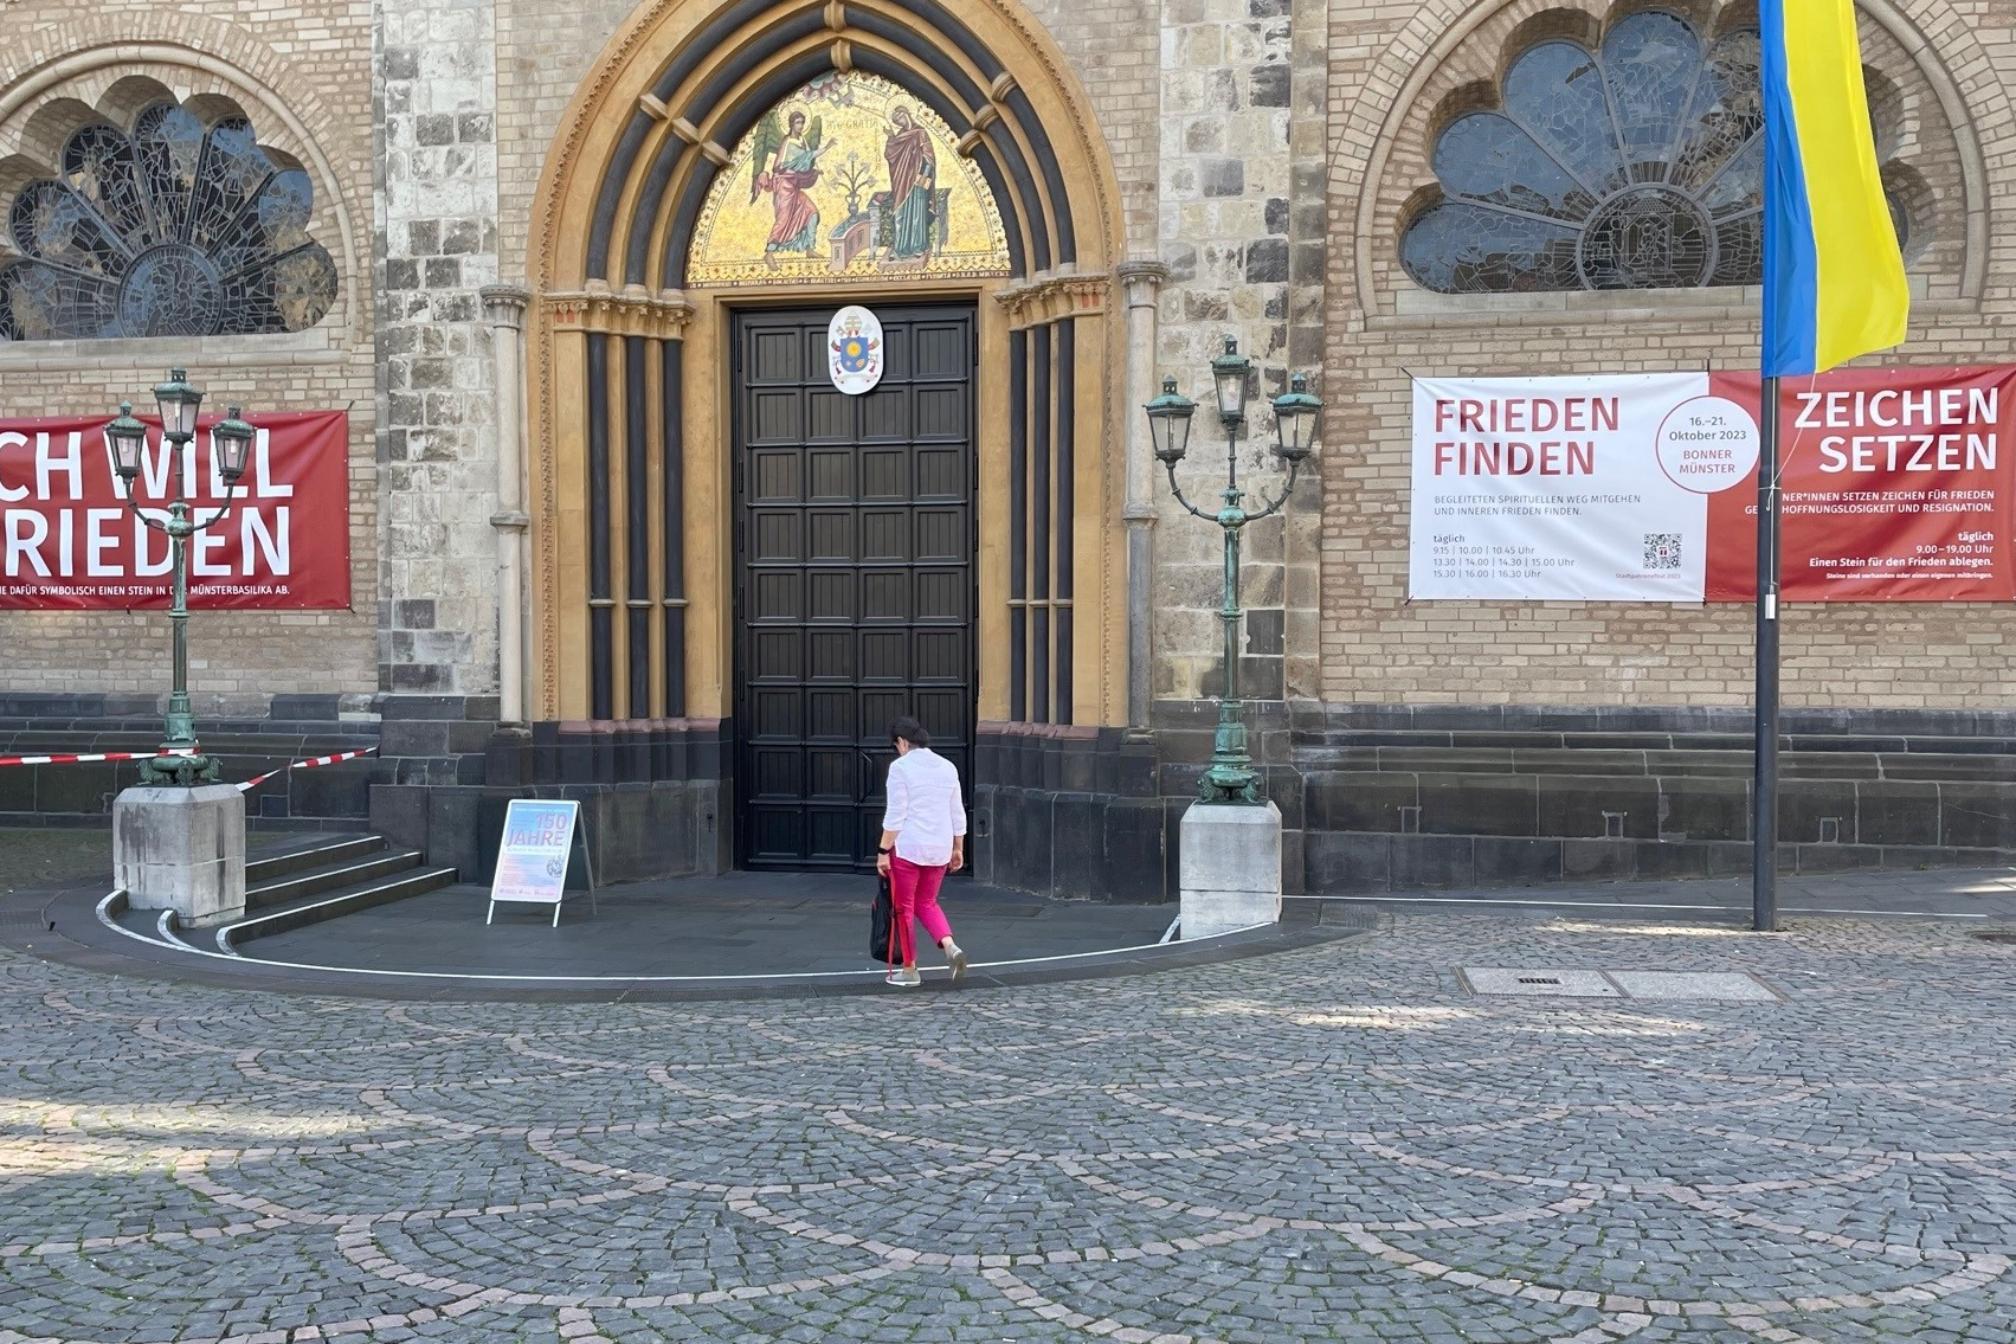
(308, 764)
(74, 759)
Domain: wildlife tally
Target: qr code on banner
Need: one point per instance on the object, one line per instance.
(1662, 550)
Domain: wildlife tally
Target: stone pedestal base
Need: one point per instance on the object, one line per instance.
(1231, 868)
(182, 850)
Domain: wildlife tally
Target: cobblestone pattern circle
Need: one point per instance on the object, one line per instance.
(1335, 1143)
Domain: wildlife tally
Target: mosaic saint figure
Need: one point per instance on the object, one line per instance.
(786, 165)
(913, 183)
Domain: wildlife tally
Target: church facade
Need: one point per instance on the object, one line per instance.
(611, 525)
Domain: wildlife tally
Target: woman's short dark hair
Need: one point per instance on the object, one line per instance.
(910, 731)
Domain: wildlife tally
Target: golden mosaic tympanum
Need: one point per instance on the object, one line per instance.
(849, 178)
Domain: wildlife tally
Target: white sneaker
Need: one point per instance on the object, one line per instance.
(903, 978)
(955, 957)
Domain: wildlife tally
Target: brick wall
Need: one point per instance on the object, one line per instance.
(542, 59)
(1377, 647)
(313, 71)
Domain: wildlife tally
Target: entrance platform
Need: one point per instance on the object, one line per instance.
(755, 925)
(350, 916)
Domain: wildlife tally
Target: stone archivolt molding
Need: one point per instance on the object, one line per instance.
(633, 311)
(636, 125)
(1053, 299)
(661, 33)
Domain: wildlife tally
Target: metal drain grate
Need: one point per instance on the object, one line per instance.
(1539, 981)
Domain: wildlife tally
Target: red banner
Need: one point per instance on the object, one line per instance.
(69, 539)
(1896, 486)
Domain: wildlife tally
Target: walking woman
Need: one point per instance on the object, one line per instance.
(923, 838)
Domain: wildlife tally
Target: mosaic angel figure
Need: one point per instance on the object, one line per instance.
(786, 164)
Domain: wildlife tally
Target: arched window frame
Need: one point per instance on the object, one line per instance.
(176, 223)
(1563, 256)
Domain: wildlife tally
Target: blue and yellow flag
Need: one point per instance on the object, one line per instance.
(1833, 278)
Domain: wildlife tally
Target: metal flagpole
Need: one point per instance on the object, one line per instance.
(1764, 789)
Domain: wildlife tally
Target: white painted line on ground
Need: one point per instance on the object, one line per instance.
(105, 918)
(1170, 932)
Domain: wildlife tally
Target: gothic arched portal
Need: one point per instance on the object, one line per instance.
(729, 159)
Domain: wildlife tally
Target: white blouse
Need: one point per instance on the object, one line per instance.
(925, 808)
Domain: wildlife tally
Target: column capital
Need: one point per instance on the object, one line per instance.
(632, 311)
(505, 305)
(1054, 296)
(1141, 279)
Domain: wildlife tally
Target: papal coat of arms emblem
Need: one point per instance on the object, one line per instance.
(854, 350)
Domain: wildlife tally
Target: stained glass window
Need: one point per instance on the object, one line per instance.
(1639, 165)
(173, 228)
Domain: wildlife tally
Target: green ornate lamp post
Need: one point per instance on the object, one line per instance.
(1231, 777)
(126, 444)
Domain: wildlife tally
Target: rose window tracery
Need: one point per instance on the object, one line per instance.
(173, 228)
(1635, 165)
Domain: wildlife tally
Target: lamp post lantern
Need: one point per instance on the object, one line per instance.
(126, 444)
(1231, 777)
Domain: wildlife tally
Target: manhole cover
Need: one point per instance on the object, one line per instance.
(1997, 937)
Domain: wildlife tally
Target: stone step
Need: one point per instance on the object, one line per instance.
(316, 852)
(331, 876)
(413, 881)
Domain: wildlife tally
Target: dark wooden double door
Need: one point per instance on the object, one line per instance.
(854, 544)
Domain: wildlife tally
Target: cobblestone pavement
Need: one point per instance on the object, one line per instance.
(1335, 1143)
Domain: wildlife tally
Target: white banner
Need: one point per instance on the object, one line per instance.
(1592, 489)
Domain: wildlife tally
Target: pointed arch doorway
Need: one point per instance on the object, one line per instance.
(725, 160)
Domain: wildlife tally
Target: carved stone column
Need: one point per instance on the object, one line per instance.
(1141, 281)
(504, 308)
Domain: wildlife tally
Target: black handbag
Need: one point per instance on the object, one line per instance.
(882, 924)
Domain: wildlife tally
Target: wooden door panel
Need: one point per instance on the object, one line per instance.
(854, 548)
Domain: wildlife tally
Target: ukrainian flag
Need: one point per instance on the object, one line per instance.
(1833, 279)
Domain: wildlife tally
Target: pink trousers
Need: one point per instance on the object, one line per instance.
(913, 891)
